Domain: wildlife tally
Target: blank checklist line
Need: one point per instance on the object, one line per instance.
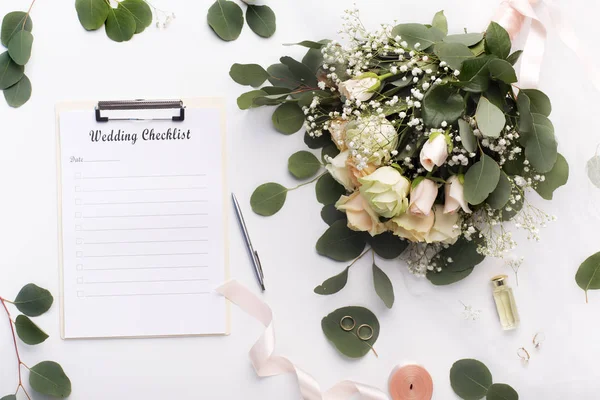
(149, 241)
(144, 229)
(144, 202)
(148, 267)
(144, 294)
(145, 176)
(94, 161)
(146, 215)
(146, 255)
(142, 189)
(145, 281)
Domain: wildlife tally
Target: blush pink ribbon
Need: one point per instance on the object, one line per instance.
(512, 15)
(266, 364)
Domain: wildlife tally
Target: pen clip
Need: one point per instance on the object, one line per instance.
(259, 265)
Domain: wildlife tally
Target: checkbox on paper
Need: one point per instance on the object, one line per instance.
(79, 267)
(78, 202)
(77, 215)
(77, 227)
(79, 254)
(79, 241)
(80, 294)
(80, 280)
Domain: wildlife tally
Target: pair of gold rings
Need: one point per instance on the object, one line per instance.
(347, 323)
(537, 341)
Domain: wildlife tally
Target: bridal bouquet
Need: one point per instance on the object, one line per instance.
(428, 146)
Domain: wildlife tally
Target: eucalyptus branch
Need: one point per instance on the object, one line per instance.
(20, 363)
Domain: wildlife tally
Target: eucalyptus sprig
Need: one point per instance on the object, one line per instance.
(226, 19)
(130, 17)
(46, 377)
(472, 380)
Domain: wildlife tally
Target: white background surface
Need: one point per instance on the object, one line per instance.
(425, 326)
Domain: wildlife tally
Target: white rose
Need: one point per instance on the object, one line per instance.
(361, 216)
(375, 134)
(337, 128)
(411, 227)
(340, 172)
(360, 88)
(422, 197)
(446, 228)
(455, 197)
(434, 151)
(386, 190)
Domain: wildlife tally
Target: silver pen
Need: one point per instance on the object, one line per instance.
(251, 252)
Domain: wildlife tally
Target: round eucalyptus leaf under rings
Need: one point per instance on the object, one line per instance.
(410, 382)
(523, 354)
(362, 335)
(345, 326)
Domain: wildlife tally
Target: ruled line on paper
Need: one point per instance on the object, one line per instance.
(142, 189)
(144, 294)
(148, 267)
(144, 202)
(145, 176)
(145, 281)
(146, 255)
(93, 161)
(149, 241)
(146, 215)
(144, 229)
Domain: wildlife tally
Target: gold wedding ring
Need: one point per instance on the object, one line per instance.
(347, 328)
(523, 354)
(538, 339)
(369, 336)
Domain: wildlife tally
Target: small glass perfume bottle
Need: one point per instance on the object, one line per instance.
(505, 303)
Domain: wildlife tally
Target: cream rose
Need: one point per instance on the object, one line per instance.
(434, 151)
(339, 170)
(356, 173)
(455, 197)
(372, 133)
(337, 128)
(445, 228)
(361, 216)
(386, 190)
(422, 197)
(360, 88)
(412, 227)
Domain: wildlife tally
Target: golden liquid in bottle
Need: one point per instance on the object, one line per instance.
(505, 304)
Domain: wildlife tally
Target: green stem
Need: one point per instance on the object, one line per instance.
(361, 256)
(306, 183)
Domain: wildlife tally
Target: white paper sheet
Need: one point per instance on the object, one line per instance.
(142, 225)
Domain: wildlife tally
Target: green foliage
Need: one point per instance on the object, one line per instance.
(467, 39)
(248, 74)
(29, 332)
(500, 196)
(588, 274)
(593, 170)
(92, 14)
(307, 43)
(540, 144)
(49, 378)
(490, 119)
(330, 214)
(387, 245)
(340, 243)
(501, 391)
(345, 342)
(261, 19)
(226, 19)
(467, 137)
(383, 286)
(33, 300)
(474, 74)
(10, 71)
(268, 199)
(442, 103)
(301, 72)
(9, 397)
(328, 190)
(12, 23)
(19, 47)
(288, 118)
(303, 164)
(502, 70)
(514, 57)
(453, 53)
(140, 11)
(415, 33)
(497, 41)
(540, 103)
(470, 379)
(333, 284)
(481, 180)
(447, 277)
(440, 22)
(120, 24)
(464, 255)
(557, 177)
(246, 100)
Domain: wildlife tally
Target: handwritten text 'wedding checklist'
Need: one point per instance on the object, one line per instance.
(142, 225)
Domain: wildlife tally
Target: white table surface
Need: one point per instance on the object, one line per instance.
(425, 326)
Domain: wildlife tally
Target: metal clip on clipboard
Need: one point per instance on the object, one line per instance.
(176, 105)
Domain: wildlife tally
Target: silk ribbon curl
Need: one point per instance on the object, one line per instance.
(266, 364)
(512, 14)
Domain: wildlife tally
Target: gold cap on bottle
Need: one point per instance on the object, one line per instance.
(499, 280)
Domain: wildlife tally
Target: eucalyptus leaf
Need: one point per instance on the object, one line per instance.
(330, 214)
(514, 57)
(140, 11)
(340, 243)
(268, 199)
(490, 119)
(478, 48)
(333, 284)
(557, 177)
(92, 13)
(402, 82)
(461, 256)
(474, 74)
(33, 300)
(502, 70)
(330, 150)
(470, 379)
(246, 100)
(249, 74)
(383, 286)
(387, 245)
(467, 137)
(261, 19)
(120, 25)
(540, 144)
(10, 71)
(288, 118)
(501, 391)
(593, 170)
(481, 180)
(440, 22)
(317, 142)
(9, 397)
(280, 75)
(540, 103)
(328, 190)
(512, 209)
(19, 93)
(307, 43)
(515, 166)
(313, 59)
(500, 196)
(345, 342)
(226, 19)
(468, 39)
(301, 72)
(49, 378)
(442, 103)
(453, 53)
(447, 277)
(19, 47)
(525, 117)
(497, 40)
(303, 164)
(413, 34)
(12, 23)
(29, 332)
(588, 274)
